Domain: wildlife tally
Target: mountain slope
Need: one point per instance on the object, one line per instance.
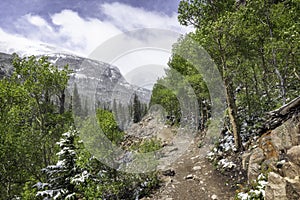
(96, 81)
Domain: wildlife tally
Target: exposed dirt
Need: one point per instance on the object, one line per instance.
(195, 178)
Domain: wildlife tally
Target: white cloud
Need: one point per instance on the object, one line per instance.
(10, 43)
(128, 18)
(68, 30)
(82, 34)
(37, 21)
(71, 31)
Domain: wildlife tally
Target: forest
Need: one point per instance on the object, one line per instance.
(255, 47)
(41, 151)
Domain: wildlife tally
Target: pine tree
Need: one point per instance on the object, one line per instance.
(60, 183)
(85, 111)
(76, 102)
(137, 115)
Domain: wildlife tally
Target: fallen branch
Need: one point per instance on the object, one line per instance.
(279, 116)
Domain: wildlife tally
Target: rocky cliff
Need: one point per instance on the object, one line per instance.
(5, 64)
(277, 154)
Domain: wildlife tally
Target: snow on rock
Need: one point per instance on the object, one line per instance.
(224, 163)
(228, 143)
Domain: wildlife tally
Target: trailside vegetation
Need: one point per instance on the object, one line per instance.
(255, 45)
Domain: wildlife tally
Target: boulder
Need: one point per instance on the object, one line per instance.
(294, 190)
(290, 170)
(276, 187)
(293, 155)
(278, 150)
(286, 135)
(255, 160)
(275, 143)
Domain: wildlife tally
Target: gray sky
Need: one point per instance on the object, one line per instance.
(80, 26)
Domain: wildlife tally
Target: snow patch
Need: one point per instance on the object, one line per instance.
(226, 164)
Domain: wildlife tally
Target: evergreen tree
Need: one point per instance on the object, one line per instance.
(60, 183)
(137, 109)
(31, 121)
(77, 108)
(85, 111)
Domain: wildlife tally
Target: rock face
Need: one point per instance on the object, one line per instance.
(294, 155)
(277, 150)
(255, 161)
(5, 65)
(99, 80)
(276, 188)
(96, 81)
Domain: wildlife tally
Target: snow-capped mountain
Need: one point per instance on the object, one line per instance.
(96, 81)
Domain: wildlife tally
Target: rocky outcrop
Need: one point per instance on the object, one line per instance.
(278, 151)
(99, 80)
(5, 65)
(256, 158)
(293, 155)
(276, 188)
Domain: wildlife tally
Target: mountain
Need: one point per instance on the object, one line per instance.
(5, 64)
(97, 82)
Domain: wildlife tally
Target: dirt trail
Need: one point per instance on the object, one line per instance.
(195, 179)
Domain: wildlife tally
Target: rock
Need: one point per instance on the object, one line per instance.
(190, 176)
(255, 160)
(295, 184)
(245, 160)
(214, 197)
(290, 170)
(270, 143)
(294, 154)
(171, 149)
(275, 143)
(280, 164)
(168, 172)
(195, 168)
(193, 158)
(286, 135)
(276, 187)
(277, 150)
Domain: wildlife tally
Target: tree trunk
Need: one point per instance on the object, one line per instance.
(279, 116)
(232, 108)
(62, 100)
(232, 112)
